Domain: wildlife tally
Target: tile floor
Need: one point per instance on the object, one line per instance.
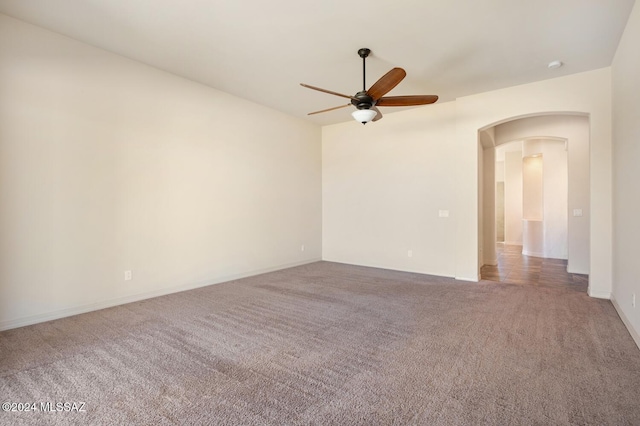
(515, 268)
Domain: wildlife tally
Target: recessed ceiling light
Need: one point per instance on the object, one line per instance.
(554, 64)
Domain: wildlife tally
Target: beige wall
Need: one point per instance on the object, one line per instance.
(489, 213)
(626, 189)
(383, 187)
(513, 200)
(555, 199)
(108, 165)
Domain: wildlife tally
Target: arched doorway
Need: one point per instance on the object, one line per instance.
(570, 127)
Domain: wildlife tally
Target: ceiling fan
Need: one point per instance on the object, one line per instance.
(367, 101)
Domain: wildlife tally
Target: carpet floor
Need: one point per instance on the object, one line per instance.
(331, 344)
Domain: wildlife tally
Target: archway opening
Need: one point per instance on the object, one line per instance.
(561, 227)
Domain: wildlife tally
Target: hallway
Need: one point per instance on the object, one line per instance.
(515, 268)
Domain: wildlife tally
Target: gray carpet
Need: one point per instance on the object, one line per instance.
(327, 344)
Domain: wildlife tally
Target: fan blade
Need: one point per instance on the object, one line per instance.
(329, 109)
(386, 83)
(378, 115)
(327, 91)
(407, 100)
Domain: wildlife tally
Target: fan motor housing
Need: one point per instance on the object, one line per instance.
(362, 100)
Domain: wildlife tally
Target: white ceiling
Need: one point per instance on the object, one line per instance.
(261, 50)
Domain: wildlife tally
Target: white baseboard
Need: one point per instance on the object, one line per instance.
(392, 268)
(532, 253)
(82, 309)
(470, 279)
(599, 294)
(634, 334)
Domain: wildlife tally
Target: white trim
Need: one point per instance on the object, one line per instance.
(599, 294)
(532, 253)
(76, 310)
(634, 334)
(389, 268)
(471, 280)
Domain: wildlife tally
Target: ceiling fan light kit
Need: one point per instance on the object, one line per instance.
(366, 101)
(363, 115)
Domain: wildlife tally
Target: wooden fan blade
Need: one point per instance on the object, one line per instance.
(378, 114)
(386, 83)
(407, 100)
(329, 109)
(327, 91)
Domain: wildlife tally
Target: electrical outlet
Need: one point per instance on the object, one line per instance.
(302, 247)
(410, 253)
(128, 276)
(633, 300)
